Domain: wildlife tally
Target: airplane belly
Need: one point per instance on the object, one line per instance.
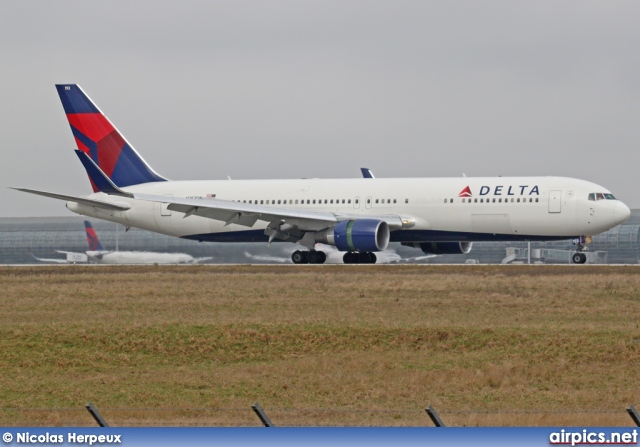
(491, 223)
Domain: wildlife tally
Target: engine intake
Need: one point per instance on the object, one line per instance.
(357, 235)
(446, 248)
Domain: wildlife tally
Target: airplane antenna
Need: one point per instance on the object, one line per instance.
(464, 175)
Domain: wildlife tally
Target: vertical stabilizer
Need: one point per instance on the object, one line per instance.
(101, 141)
(92, 237)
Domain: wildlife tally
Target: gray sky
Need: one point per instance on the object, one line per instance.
(290, 89)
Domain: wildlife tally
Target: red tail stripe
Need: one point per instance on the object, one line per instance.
(93, 125)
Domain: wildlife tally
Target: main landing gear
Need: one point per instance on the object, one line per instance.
(308, 257)
(356, 257)
(319, 257)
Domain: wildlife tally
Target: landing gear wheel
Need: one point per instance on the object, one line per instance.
(349, 258)
(365, 257)
(579, 258)
(299, 257)
(316, 257)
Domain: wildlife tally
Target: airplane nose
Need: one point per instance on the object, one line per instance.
(621, 213)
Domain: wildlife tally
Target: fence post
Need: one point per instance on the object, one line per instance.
(434, 416)
(262, 415)
(96, 415)
(634, 414)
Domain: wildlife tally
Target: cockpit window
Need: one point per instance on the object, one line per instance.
(601, 196)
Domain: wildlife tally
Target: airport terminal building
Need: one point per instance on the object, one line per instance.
(23, 238)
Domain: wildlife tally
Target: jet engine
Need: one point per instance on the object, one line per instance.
(363, 235)
(446, 248)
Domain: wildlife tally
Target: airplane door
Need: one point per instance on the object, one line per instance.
(555, 203)
(164, 210)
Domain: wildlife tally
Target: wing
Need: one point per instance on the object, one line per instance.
(283, 223)
(91, 202)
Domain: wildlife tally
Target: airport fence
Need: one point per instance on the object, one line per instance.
(305, 417)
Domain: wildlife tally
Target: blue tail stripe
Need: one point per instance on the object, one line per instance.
(130, 170)
(93, 147)
(74, 100)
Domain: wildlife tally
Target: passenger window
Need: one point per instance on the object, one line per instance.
(462, 200)
(475, 200)
(394, 200)
(445, 200)
(406, 200)
(500, 200)
(376, 200)
(494, 200)
(536, 199)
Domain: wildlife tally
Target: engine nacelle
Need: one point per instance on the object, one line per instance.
(357, 235)
(446, 248)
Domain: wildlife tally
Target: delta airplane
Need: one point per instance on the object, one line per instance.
(99, 255)
(358, 216)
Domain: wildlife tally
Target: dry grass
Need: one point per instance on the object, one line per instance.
(319, 345)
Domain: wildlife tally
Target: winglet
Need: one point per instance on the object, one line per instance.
(98, 178)
(366, 173)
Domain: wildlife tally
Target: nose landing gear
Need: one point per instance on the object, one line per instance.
(578, 258)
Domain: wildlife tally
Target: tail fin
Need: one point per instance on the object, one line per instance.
(101, 141)
(92, 237)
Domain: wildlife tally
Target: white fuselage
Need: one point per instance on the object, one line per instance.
(138, 257)
(493, 208)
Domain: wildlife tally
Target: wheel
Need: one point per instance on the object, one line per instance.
(322, 257)
(316, 257)
(372, 258)
(579, 258)
(299, 257)
(349, 258)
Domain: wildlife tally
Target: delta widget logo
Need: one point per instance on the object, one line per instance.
(466, 192)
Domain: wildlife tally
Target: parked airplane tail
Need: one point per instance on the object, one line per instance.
(101, 141)
(92, 237)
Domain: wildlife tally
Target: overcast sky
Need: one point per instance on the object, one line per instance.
(290, 89)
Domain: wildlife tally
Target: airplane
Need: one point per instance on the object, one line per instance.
(99, 255)
(358, 216)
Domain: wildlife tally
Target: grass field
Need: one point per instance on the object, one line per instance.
(319, 345)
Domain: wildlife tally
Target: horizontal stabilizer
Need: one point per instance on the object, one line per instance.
(90, 202)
